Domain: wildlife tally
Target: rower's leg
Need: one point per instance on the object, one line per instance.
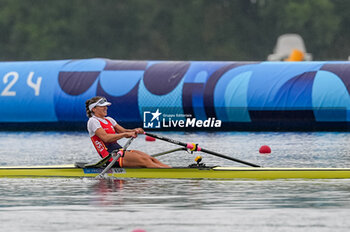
(154, 160)
(142, 160)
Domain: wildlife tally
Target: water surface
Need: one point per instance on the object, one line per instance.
(60, 204)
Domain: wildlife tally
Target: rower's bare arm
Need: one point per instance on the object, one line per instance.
(109, 138)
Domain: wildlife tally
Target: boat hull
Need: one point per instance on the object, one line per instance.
(178, 173)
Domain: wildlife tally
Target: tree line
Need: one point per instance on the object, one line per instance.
(170, 29)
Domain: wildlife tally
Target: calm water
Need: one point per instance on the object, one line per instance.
(60, 204)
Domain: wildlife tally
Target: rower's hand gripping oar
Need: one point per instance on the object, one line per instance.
(195, 147)
(115, 155)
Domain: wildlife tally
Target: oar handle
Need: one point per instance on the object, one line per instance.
(195, 147)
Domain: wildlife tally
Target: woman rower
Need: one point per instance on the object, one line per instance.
(105, 132)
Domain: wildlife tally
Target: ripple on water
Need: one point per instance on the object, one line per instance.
(58, 204)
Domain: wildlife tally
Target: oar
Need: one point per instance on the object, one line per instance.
(170, 151)
(116, 154)
(195, 147)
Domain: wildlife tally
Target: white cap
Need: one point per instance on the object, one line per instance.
(102, 102)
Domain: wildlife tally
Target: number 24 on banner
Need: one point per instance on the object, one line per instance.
(11, 78)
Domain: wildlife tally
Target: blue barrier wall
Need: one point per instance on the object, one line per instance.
(178, 95)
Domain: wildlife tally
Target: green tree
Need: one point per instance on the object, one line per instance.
(168, 29)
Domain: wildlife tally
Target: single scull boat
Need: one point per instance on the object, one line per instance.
(177, 172)
(103, 168)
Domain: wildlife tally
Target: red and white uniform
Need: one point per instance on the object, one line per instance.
(107, 123)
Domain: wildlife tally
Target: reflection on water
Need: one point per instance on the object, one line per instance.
(212, 194)
(155, 202)
(199, 194)
(58, 204)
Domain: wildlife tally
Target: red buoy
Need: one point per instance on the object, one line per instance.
(150, 139)
(265, 149)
